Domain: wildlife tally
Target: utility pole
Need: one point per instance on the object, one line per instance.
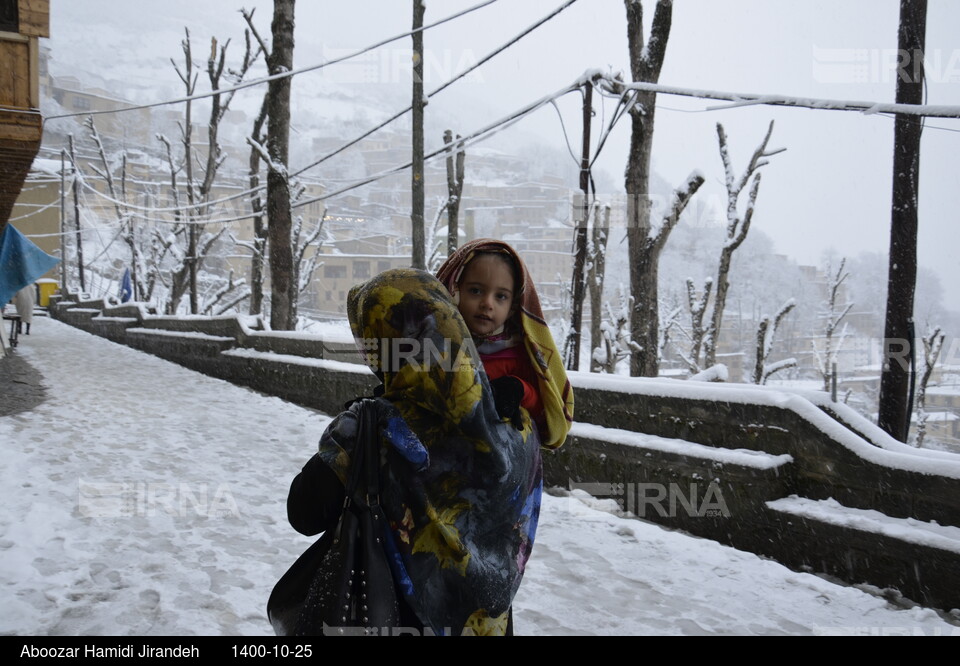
(76, 212)
(419, 259)
(63, 222)
(571, 350)
(895, 381)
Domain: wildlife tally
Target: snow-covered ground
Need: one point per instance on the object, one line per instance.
(143, 499)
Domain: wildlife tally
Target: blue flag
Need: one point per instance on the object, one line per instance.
(126, 287)
(21, 262)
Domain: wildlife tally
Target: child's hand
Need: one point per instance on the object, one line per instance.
(507, 394)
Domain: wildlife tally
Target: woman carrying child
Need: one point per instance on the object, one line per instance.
(460, 486)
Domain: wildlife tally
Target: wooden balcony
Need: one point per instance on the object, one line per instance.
(20, 133)
(21, 126)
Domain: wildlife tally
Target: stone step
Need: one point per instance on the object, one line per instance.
(705, 490)
(918, 559)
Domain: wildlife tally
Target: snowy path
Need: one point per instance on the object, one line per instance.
(145, 499)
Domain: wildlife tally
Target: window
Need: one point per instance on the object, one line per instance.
(334, 271)
(361, 269)
(81, 103)
(383, 266)
(9, 16)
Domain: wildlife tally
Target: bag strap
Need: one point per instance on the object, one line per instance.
(370, 433)
(365, 460)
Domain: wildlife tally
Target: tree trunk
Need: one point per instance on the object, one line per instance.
(931, 350)
(283, 290)
(259, 228)
(419, 259)
(645, 64)
(595, 278)
(719, 303)
(455, 159)
(645, 324)
(894, 412)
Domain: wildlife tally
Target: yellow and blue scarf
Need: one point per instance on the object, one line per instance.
(461, 488)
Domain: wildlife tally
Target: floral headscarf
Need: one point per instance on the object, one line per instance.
(555, 390)
(461, 489)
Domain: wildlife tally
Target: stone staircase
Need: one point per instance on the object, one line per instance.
(784, 475)
(788, 476)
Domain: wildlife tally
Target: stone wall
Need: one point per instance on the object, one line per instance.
(708, 461)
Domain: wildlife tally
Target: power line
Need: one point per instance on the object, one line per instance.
(475, 137)
(470, 139)
(448, 83)
(752, 99)
(275, 77)
(442, 87)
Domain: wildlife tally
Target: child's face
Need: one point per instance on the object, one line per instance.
(486, 294)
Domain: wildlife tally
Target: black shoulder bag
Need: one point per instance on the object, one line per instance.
(342, 584)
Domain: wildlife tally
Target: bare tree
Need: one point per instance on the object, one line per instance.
(827, 359)
(697, 306)
(302, 264)
(644, 277)
(737, 228)
(191, 227)
(258, 245)
(932, 344)
(455, 167)
(436, 239)
(283, 287)
(646, 61)
(894, 409)
(765, 334)
(596, 271)
(613, 343)
(667, 324)
(232, 290)
(124, 217)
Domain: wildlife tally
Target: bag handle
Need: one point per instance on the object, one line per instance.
(371, 442)
(365, 462)
(357, 462)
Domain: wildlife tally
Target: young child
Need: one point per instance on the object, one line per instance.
(492, 289)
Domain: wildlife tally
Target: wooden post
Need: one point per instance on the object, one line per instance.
(76, 213)
(454, 189)
(63, 222)
(572, 345)
(895, 408)
(419, 259)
